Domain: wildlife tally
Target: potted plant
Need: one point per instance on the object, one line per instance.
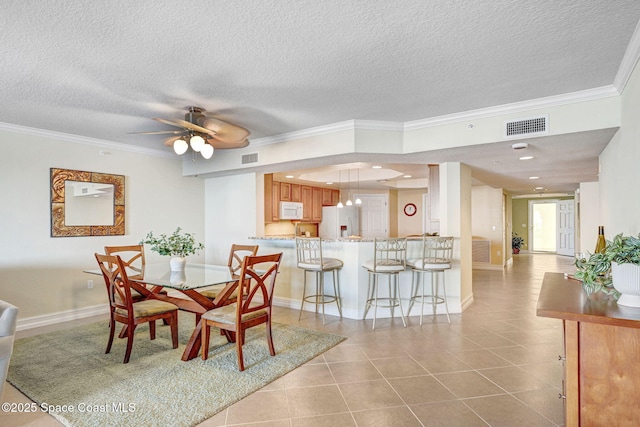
(178, 245)
(516, 243)
(614, 271)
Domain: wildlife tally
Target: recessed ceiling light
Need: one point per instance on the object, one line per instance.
(329, 183)
(407, 176)
(539, 188)
(526, 157)
(382, 180)
(534, 177)
(376, 167)
(289, 176)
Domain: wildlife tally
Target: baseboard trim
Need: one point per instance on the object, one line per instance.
(465, 303)
(60, 317)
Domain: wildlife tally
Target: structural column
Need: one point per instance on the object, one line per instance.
(455, 220)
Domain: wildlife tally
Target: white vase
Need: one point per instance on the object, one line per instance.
(626, 280)
(177, 263)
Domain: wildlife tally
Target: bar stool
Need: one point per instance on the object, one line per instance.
(389, 259)
(436, 258)
(310, 259)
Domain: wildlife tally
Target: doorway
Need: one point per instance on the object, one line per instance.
(552, 226)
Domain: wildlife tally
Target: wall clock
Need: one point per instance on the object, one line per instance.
(410, 209)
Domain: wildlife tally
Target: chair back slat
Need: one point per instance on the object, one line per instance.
(437, 250)
(117, 281)
(132, 256)
(237, 255)
(390, 252)
(259, 273)
(309, 250)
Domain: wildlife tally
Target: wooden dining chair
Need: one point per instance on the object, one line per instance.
(124, 310)
(236, 256)
(247, 312)
(133, 258)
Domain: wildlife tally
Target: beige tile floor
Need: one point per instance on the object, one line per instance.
(496, 364)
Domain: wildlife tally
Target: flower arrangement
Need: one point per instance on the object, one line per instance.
(176, 244)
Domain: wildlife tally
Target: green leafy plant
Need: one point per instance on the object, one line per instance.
(516, 241)
(595, 269)
(177, 244)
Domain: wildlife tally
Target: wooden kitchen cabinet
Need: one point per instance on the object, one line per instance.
(316, 207)
(285, 192)
(330, 197)
(271, 199)
(326, 197)
(601, 360)
(306, 192)
(275, 205)
(296, 195)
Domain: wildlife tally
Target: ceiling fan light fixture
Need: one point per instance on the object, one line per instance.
(207, 151)
(196, 142)
(180, 146)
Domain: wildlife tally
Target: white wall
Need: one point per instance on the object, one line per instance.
(619, 171)
(43, 275)
(589, 215)
(229, 213)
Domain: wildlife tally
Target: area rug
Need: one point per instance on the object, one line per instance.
(67, 373)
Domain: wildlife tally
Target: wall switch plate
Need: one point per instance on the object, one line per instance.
(89, 284)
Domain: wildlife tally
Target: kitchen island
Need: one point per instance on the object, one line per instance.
(353, 277)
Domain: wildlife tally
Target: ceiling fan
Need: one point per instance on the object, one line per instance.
(203, 133)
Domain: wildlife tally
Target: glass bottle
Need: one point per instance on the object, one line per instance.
(601, 242)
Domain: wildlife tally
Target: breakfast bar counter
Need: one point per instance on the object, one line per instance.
(353, 277)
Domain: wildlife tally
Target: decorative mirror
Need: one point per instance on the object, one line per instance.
(86, 203)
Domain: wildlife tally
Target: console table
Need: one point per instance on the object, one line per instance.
(601, 383)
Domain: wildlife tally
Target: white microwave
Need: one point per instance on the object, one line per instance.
(290, 210)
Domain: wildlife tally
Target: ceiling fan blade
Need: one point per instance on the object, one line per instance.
(185, 125)
(223, 131)
(221, 145)
(169, 141)
(157, 132)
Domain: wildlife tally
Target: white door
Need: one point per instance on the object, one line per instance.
(566, 227)
(374, 216)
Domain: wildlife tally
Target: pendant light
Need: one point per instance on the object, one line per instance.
(349, 202)
(358, 201)
(196, 142)
(180, 146)
(340, 205)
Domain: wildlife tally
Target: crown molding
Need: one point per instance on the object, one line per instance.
(629, 61)
(78, 139)
(516, 107)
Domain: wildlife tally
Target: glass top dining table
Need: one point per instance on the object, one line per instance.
(187, 282)
(194, 276)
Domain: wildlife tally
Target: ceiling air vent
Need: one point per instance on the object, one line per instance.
(250, 158)
(527, 127)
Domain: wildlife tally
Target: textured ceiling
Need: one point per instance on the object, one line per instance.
(103, 69)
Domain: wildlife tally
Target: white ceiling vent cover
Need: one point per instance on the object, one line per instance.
(527, 127)
(249, 158)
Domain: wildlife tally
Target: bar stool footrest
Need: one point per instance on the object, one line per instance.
(320, 299)
(428, 299)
